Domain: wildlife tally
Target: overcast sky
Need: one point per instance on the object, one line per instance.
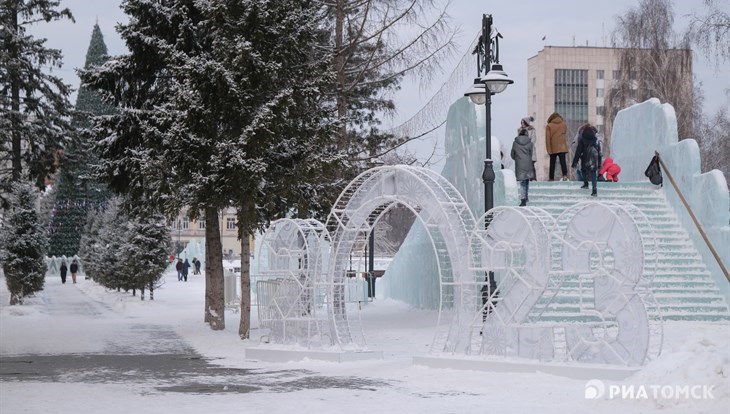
(522, 23)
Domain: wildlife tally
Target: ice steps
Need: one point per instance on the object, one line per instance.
(682, 285)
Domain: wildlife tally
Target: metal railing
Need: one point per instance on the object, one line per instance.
(693, 217)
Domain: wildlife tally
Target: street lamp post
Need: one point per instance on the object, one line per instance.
(494, 81)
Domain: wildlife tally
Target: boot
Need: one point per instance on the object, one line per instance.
(523, 203)
(594, 193)
(585, 185)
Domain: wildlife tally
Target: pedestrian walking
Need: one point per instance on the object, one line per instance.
(197, 264)
(64, 270)
(74, 269)
(186, 266)
(556, 144)
(522, 149)
(179, 268)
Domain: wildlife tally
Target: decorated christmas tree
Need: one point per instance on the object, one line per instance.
(77, 191)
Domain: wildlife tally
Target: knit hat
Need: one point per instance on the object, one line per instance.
(528, 120)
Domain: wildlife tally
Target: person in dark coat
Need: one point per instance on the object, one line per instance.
(522, 148)
(74, 269)
(526, 123)
(587, 146)
(197, 264)
(179, 268)
(64, 270)
(186, 266)
(556, 144)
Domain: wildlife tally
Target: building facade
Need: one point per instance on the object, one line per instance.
(183, 230)
(576, 82)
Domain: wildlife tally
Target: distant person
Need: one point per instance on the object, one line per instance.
(522, 154)
(64, 270)
(179, 268)
(197, 264)
(74, 269)
(611, 169)
(186, 266)
(526, 123)
(556, 144)
(589, 154)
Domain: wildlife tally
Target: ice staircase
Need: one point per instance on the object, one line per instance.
(683, 287)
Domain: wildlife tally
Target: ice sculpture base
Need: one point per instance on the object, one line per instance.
(290, 355)
(581, 372)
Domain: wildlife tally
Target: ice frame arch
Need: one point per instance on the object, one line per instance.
(448, 222)
(290, 270)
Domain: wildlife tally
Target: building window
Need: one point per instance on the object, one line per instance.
(600, 110)
(201, 223)
(599, 93)
(632, 75)
(571, 96)
(185, 223)
(534, 82)
(230, 223)
(599, 74)
(534, 99)
(616, 74)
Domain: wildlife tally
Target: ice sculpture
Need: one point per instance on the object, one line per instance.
(648, 127)
(603, 245)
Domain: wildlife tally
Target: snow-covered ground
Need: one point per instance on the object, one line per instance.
(696, 358)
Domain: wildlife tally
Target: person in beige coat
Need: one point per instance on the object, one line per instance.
(556, 144)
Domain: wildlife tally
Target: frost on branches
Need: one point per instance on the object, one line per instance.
(24, 243)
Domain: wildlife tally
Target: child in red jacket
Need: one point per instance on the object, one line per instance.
(610, 169)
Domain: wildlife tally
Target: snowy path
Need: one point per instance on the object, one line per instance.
(80, 348)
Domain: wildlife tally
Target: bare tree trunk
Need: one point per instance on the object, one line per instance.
(244, 329)
(15, 99)
(339, 62)
(141, 293)
(152, 289)
(214, 287)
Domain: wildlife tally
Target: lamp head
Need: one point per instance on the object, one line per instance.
(496, 80)
(477, 92)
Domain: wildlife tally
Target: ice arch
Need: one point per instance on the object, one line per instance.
(448, 222)
(291, 256)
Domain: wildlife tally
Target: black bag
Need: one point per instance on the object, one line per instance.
(654, 171)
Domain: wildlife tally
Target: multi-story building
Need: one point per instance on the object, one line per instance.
(184, 230)
(576, 83)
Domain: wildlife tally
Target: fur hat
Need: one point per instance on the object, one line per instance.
(528, 120)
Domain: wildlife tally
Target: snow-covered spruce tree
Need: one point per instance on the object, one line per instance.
(89, 246)
(145, 252)
(213, 113)
(24, 245)
(78, 192)
(34, 107)
(110, 263)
